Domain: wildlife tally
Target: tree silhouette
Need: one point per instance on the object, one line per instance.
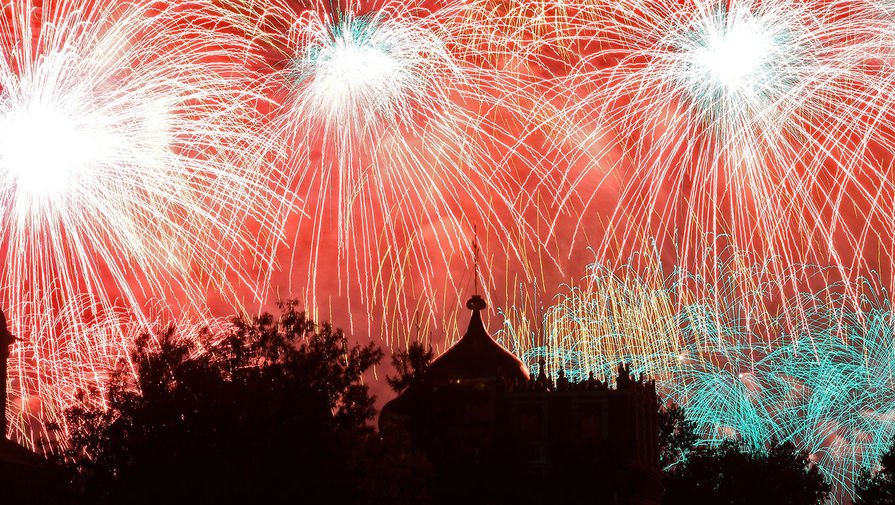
(677, 436)
(410, 365)
(877, 487)
(735, 474)
(276, 410)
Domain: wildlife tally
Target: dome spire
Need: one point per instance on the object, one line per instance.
(476, 356)
(475, 260)
(476, 303)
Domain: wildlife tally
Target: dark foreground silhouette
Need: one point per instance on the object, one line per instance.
(876, 486)
(277, 412)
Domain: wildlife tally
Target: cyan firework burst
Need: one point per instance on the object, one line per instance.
(390, 147)
(815, 369)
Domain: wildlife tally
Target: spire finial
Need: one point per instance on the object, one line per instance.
(476, 303)
(475, 261)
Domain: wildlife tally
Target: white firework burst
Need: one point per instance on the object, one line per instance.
(127, 135)
(763, 120)
(392, 147)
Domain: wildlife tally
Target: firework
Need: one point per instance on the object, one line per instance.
(392, 146)
(79, 356)
(126, 146)
(763, 120)
(815, 369)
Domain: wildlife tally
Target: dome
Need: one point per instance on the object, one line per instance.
(6, 338)
(476, 355)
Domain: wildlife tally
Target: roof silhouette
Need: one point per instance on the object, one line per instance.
(6, 338)
(476, 355)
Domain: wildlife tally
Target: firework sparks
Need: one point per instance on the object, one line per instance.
(142, 147)
(125, 135)
(388, 148)
(815, 369)
(763, 120)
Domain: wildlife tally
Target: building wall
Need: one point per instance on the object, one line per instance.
(493, 442)
(605, 436)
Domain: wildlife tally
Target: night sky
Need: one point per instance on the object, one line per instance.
(724, 164)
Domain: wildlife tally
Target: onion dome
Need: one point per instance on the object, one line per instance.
(6, 338)
(476, 356)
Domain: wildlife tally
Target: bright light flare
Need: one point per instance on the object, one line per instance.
(46, 148)
(734, 55)
(363, 71)
(129, 173)
(42, 148)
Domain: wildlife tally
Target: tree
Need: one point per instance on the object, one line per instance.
(733, 473)
(275, 410)
(677, 436)
(410, 364)
(877, 487)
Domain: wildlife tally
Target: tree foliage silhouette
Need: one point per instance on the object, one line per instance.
(734, 473)
(410, 364)
(677, 436)
(275, 410)
(877, 487)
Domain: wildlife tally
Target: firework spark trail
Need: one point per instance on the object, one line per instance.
(79, 356)
(764, 120)
(127, 174)
(815, 369)
(392, 141)
(524, 45)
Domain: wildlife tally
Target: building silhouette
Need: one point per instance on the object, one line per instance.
(495, 434)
